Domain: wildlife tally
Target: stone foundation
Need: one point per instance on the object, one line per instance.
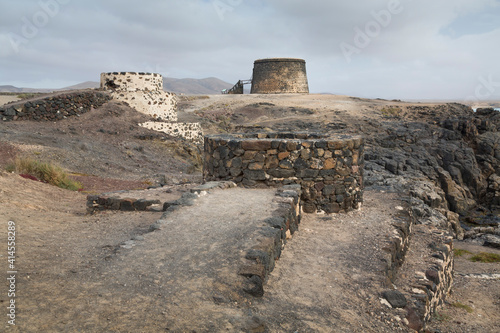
(329, 169)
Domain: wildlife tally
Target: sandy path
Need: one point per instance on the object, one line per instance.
(329, 277)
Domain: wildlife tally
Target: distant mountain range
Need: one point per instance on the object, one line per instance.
(208, 86)
(12, 89)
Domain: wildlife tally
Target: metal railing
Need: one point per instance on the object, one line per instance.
(237, 88)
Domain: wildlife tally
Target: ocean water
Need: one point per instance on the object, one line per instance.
(496, 109)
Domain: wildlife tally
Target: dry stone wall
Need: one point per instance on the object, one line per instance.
(431, 285)
(329, 169)
(55, 107)
(279, 76)
(399, 242)
(271, 239)
(421, 270)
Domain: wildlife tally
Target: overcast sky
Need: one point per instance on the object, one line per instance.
(394, 49)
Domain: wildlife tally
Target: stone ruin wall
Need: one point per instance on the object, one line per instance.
(329, 169)
(159, 105)
(189, 131)
(144, 92)
(131, 81)
(55, 107)
(279, 76)
(428, 288)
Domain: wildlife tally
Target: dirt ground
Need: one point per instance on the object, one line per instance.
(106, 143)
(4, 99)
(74, 267)
(76, 272)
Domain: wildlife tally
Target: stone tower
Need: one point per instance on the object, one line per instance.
(279, 76)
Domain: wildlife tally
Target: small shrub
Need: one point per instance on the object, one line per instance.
(485, 257)
(46, 172)
(27, 95)
(462, 306)
(391, 111)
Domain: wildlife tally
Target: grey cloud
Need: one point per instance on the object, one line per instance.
(412, 56)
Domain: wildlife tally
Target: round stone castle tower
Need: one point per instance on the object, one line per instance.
(279, 76)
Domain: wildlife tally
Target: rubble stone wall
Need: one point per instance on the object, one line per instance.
(329, 169)
(55, 107)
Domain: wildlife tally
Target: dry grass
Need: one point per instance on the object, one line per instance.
(46, 172)
(460, 252)
(391, 112)
(485, 257)
(462, 306)
(28, 95)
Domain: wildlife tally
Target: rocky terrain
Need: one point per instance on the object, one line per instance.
(444, 158)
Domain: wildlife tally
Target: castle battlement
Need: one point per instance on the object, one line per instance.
(131, 81)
